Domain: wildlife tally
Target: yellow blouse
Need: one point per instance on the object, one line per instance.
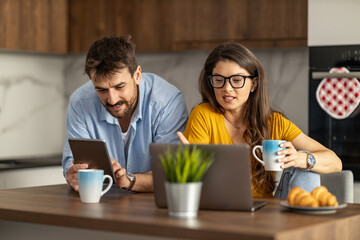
(206, 126)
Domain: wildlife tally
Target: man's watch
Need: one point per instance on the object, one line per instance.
(132, 179)
(311, 161)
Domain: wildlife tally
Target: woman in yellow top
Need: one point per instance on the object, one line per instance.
(235, 110)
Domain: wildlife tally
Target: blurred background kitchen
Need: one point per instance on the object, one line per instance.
(44, 43)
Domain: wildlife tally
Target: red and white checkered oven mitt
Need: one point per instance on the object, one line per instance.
(338, 97)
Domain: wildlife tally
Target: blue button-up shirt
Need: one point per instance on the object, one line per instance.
(161, 111)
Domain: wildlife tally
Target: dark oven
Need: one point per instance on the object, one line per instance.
(340, 135)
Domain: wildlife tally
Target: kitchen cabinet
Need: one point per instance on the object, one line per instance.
(255, 23)
(205, 23)
(166, 25)
(149, 22)
(333, 23)
(34, 25)
(71, 26)
(277, 23)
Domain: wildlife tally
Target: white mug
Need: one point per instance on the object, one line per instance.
(269, 151)
(91, 184)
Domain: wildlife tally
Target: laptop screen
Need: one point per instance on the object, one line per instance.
(226, 185)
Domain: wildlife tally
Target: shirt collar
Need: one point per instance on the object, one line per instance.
(106, 116)
(138, 113)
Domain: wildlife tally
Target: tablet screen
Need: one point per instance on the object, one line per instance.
(92, 152)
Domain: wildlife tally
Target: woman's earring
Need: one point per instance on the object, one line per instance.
(252, 90)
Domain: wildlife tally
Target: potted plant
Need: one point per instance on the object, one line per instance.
(185, 169)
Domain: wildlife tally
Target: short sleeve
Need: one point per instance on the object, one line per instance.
(196, 130)
(282, 128)
(173, 119)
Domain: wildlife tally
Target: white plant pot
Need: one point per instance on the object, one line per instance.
(183, 199)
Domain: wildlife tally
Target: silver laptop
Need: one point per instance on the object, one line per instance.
(226, 185)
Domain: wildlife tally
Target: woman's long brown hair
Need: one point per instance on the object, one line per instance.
(256, 111)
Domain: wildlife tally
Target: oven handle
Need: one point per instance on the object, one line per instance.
(318, 75)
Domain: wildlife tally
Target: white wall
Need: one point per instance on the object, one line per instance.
(333, 22)
(287, 71)
(31, 105)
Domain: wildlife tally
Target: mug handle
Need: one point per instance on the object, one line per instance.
(108, 186)
(256, 157)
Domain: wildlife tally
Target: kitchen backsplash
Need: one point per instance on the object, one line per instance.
(34, 91)
(32, 105)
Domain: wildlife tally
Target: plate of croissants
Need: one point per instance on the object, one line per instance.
(319, 201)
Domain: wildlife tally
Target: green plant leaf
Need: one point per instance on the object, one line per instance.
(185, 164)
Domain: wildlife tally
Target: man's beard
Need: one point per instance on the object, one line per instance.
(123, 113)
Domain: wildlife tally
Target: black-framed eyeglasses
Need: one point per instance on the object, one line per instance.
(236, 81)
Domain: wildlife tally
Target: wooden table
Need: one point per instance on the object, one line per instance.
(136, 213)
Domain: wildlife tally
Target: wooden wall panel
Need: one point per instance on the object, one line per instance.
(58, 25)
(277, 19)
(209, 20)
(147, 21)
(71, 26)
(10, 16)
(152, 25)
(87, 23)
(203, 24)
(34, 25)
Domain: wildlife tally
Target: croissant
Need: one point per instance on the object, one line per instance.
(300, 197)
(324, 197)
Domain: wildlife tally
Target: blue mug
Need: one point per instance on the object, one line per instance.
(269, 151)
(91, 184)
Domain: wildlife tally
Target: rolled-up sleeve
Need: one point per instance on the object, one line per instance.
(173, 118)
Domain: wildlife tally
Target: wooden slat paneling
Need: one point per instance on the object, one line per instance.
(87, 22)
(210, 20)
(277, 19)
(147, 21)
(62, 26)
(34, 25)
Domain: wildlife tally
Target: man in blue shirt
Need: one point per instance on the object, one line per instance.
(127, 108)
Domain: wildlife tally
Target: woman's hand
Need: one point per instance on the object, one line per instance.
(182, 138)
(292, 158)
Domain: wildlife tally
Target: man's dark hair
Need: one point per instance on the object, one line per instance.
(109, 55)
